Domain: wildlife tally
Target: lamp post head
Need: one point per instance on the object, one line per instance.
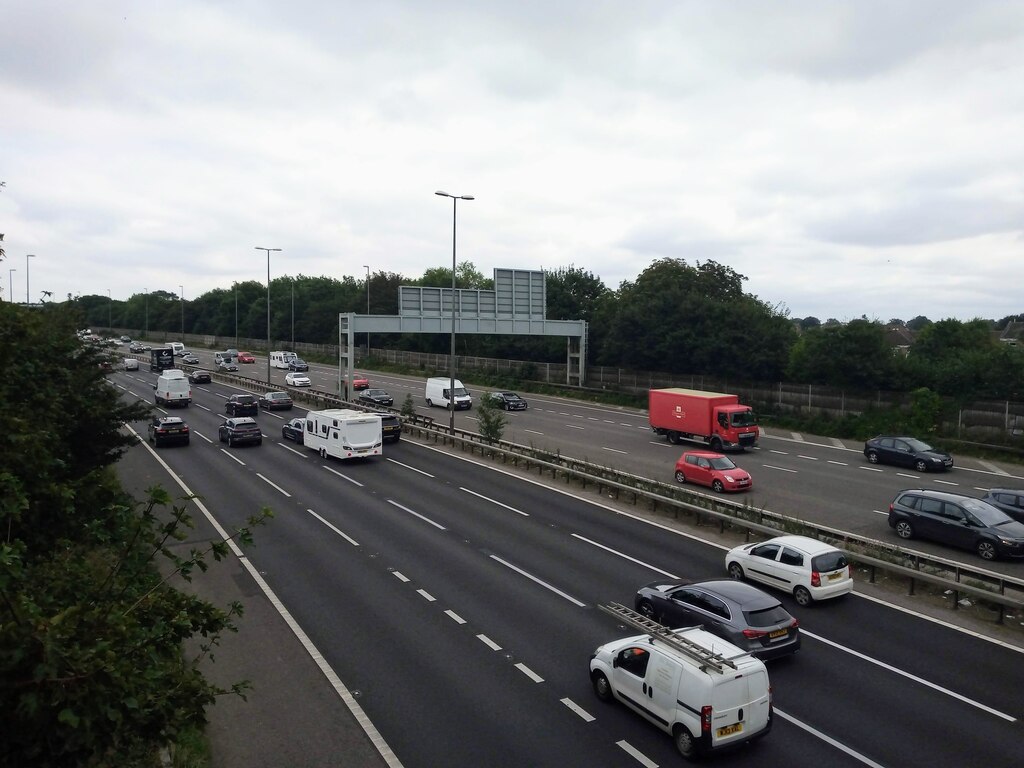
(455, 197)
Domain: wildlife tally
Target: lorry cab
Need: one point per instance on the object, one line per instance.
(706, 693)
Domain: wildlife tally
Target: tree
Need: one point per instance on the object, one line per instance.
(492, 420)
(810, 322)
(852, 355)
(919, 322)
(91, 633)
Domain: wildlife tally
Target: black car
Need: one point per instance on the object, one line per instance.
(276, 401)
(293, 430)
(375, 397)
(227, 365)
(390, 427)
(242, 405)
(906, 452)
(961, 521)
(510, 401)
(1010, 500)
(733, 610)
(240, 431)
(168, 430)
(199, 376)
(298, 365)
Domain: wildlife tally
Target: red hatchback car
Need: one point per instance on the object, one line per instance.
(246, 357)
(715, 470)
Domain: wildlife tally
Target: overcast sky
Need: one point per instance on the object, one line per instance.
(849, 158)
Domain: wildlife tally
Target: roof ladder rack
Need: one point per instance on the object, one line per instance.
(707, 659)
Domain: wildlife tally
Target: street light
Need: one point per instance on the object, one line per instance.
(110, 310)
(293, 315)
(146, 334)
(268, 250)
(182, 297)
(27, 257)
(451, 390)
(10, 282)
(367, 268)
(235, 286)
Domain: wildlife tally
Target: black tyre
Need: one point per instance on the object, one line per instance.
(260, 441)
(647, 609)
(429, 404)
(802, 595)
(904, 529)
(921, 465)
(685, 742)
(735, 571)
(680, 477)
(717, 486)
(602, 688)
(716, 444)
(986, 550)
(673, 437)
(873, 456)
(231, 442)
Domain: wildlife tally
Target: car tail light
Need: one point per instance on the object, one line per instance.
(815, 579)
(890, 507)
(795, 624)
(753, 634)
(705, 719)
(849, 571)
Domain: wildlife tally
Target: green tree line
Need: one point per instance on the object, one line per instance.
(674, 317)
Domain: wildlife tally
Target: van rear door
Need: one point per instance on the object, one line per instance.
(740, 706)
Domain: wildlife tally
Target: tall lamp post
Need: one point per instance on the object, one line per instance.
(110, 310)
(10, 282)
(146, 334)
(367, 268)
(27, 257)
(182, 297)
(451, 389)
(268, 250)
(293, 315)
(235, 286)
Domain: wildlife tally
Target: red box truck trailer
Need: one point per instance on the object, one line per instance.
(713, 418)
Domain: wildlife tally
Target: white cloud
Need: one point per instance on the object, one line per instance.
(850, 158)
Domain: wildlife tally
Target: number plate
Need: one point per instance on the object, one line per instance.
(778, 633)
(836, 576)
(729, 730)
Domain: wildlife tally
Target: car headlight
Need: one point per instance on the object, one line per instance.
(729, 478)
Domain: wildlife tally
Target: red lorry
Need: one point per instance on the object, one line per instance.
(713, 418)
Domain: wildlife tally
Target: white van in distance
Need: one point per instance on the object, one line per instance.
(343, 433)
(281, 359)
(437, 393)
(706, 693)
(173, 388)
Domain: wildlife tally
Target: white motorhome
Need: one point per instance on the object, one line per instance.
(281, 359)
(437, 393)
(343, 433)
(708, 694)
(173, 388)
(177, 348)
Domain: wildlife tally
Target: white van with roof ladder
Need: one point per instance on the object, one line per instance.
(707, 693)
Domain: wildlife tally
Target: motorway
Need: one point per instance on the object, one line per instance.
(458, 603)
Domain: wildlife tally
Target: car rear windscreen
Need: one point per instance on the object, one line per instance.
(767, 617)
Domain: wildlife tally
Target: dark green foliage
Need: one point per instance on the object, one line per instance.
(492, 419)
(853, 355)
(92, 671)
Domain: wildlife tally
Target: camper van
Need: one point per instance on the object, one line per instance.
(173, 388)
(706, 693)
(281, 359)
(343, 433)
(437, 393)
(177, 348)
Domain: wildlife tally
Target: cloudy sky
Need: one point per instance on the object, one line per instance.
(850, 158)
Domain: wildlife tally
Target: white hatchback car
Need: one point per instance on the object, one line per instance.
(806, 568)
(296, 380)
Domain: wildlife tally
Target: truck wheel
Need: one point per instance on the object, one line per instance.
(673, 437)
(685, 743)
(602, 689)
(716, 444)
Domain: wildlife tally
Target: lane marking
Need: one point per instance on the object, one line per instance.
(871, 469)
(194, 432)
(574, 707)
(636, 754)
(406, 466)
(544, 584)
(614, 450)
(529, 673)
(455, 617)
(426, 595)
(836, 442)
(342, 476)
(780, 469)
(624, 556)
(992, 468)
(809, 458)
(533, 431)
(904, 474)
(915, 678)
(231, 456)
(829, 740)
(839, 463)
(273, 485)
(488, 642)
(781, 453)
(198, 405)
(944, 482)
(300, 454)
(417, 514)
(400, 576)
(341, 533)
(495, 501)
(573, 426)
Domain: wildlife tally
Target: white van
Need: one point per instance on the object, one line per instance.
(281, 359)
(437, 393)
(177, 348)
(707, 693)
(173, 388)
(343, 433)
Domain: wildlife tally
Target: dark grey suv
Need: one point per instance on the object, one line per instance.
(1010, 500)
(960, 521)
(737, 612)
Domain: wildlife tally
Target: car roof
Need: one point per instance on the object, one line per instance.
(171, 419)
(243, 420)
(738, 592)
(1006, 490)
(804, 543)
(281, 394)
(707, 454)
